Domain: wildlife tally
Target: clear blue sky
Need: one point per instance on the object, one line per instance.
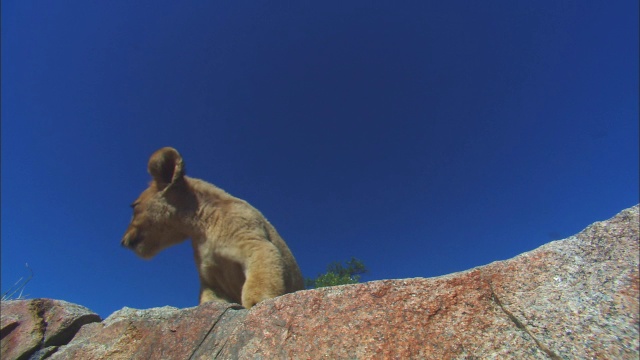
(423, 137)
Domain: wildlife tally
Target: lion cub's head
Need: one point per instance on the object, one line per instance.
(155, 224)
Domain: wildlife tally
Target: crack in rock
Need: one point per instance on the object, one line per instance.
(521, 326)
(204, 338)
(224, 344)
(37, 310)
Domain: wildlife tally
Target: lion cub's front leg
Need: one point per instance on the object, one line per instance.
(264, 273)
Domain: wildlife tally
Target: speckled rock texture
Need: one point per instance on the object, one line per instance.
(160, 333)
(575, 298)
(34, 329)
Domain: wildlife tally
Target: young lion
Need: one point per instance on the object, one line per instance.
(239, 255)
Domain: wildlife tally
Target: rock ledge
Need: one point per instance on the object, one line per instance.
(572, 298)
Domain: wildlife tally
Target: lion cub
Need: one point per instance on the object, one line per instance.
(239, 255)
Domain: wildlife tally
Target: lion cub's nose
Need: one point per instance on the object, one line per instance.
(129, 240)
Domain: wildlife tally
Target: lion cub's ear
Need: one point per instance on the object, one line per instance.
(166, 166)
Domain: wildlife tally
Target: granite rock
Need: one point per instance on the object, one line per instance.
(33, 329)
(569, 299)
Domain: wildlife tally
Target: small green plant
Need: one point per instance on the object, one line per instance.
(18, 288)
(338, 274)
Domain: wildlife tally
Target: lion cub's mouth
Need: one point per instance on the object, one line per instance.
(130, 242)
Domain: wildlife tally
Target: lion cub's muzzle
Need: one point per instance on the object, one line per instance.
(131, 239)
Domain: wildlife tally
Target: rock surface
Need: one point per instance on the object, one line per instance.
(36, 328)
(569, 299)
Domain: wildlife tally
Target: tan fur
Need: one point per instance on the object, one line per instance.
(239, 255)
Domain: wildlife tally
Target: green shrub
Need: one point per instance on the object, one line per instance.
(338, 274)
